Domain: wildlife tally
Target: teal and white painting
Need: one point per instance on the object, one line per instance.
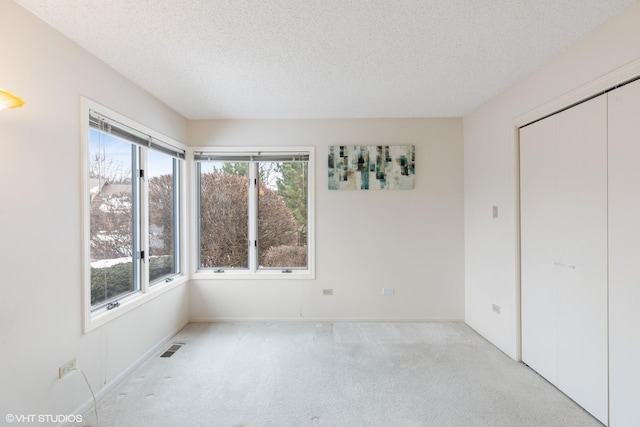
(372, 167)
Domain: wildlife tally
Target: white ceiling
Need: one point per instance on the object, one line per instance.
(325, 58)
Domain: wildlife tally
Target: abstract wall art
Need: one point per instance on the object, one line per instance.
(372, 167)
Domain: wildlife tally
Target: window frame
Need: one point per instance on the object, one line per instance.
(178, 166)
(95, 317)
(256, 272)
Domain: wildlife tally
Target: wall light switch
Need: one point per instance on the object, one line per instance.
(495, 212)
(326, 292)
(388, 291)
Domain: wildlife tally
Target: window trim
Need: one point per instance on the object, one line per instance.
(95, 318)
(228, 152)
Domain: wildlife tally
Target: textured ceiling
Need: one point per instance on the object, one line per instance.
(324, 58)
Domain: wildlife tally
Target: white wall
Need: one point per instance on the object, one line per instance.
(365, 240)
(40, 205)
(491, 175)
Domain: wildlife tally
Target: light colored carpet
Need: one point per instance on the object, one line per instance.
(336, 374)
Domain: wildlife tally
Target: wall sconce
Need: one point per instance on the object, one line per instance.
(9, 100)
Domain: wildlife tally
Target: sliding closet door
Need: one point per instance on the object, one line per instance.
(624, 255)
(538, 165)
(582, 262)
(563, 185)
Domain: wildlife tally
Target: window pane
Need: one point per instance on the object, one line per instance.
(112, 215)
(163, 226)
(282, 215)
(224, 216)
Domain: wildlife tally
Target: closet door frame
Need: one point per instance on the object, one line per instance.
(616, 78)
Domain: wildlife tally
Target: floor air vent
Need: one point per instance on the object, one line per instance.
(169, 352)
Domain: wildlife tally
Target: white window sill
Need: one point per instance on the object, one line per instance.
(102, 316)
(258, 275)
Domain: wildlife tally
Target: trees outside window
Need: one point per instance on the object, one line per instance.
(282, 215)
(253, 213)
(162, 175)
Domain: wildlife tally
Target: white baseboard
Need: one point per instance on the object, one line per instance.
(324, 319)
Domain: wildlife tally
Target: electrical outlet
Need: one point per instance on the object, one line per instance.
(327, 292)
(388, 291)
(495, 308)
(66, 368)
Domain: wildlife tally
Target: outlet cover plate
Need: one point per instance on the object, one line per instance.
(66, 368)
